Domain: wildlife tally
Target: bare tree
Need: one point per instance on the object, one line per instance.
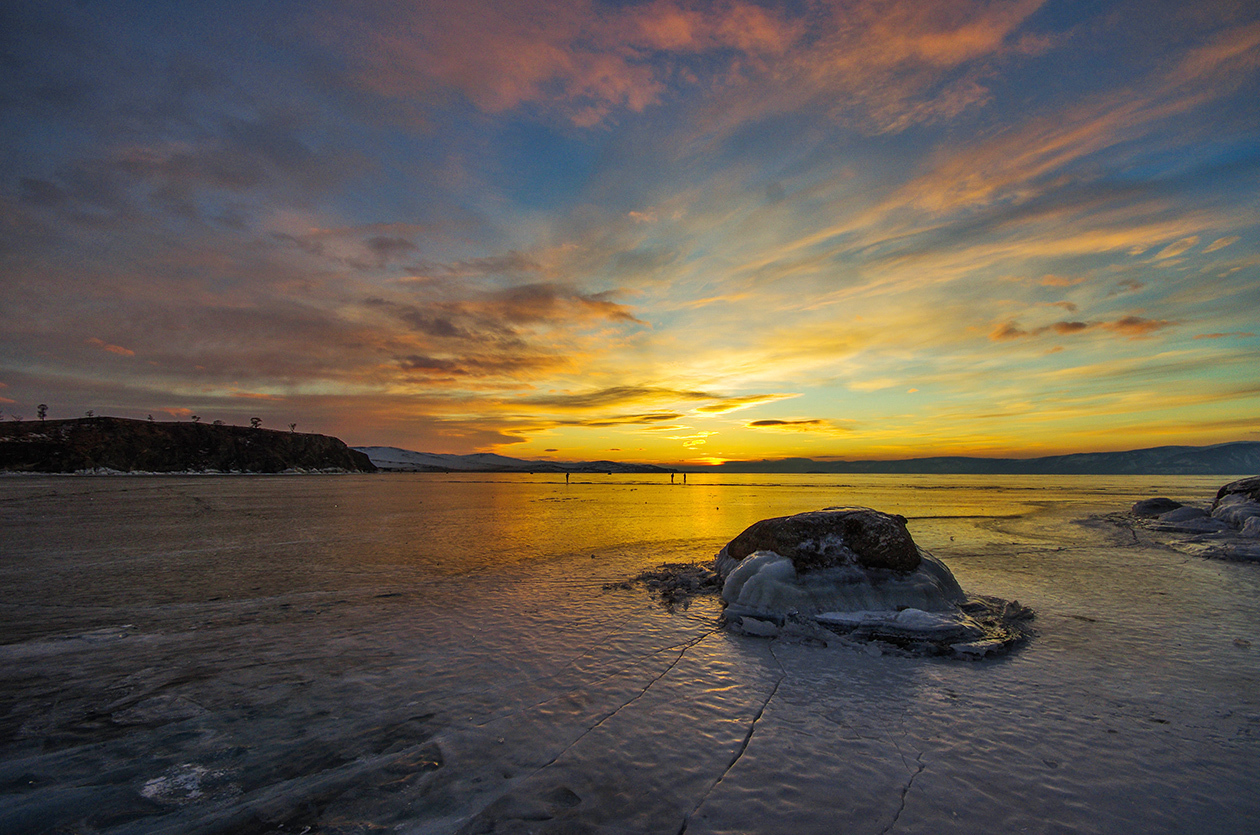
(196, 418)
(255, 422)
(42, 411)
(292, 427)
(90, 413)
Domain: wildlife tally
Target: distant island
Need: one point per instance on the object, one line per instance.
(393, 459)
(1238, 458)
(110, 444)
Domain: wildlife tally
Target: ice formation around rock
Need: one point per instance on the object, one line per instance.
(1228, 528)
(857, 572)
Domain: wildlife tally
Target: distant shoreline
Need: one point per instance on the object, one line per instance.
(1234, 458)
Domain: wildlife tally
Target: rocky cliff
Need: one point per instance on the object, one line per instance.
(108, 443)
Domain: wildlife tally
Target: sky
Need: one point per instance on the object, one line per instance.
(665, 231)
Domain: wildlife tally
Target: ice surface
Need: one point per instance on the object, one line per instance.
(433, 654)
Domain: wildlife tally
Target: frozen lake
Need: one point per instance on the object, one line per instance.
(438, 653)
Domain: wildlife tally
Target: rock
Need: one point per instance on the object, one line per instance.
(1234, 509)
(858, 573)
(837, 536)
(767, 583)
(1197, 525)
(1154, 507)
(1183, 514)
(1249, 487)
(1251, 527)
(758, 627)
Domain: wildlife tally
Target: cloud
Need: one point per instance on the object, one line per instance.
(731, 404)
(1136, 327)
(801, 425)
(1177, 248)
(1008, 330)
(578, 60)
(1221, 243)
(1238, 334)
(1133, 327)
(1062, 281)
(113, 349)
(648, 421)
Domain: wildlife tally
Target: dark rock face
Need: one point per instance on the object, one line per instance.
(832, 537)
(1154, 507)
(1249, 487)
(67, 446)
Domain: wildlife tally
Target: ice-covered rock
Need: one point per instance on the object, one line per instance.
(1154, 507)
(769, 583)
(1234, 509)
(1249, 487)
(856, 572)
(1228, 530)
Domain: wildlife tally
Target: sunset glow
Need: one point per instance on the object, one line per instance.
(657, 231)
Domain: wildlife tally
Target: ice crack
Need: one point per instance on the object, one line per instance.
(901, 807)
(686, 646)
(752, 727)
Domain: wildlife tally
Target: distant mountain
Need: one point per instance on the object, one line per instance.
(393, 459)
(1238, 458)
(125, 445)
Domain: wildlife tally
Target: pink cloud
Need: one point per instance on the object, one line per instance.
(113, 349)
(579, 59)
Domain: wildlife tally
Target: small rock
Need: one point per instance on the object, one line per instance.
(1154, 507)
(760, 628)
(1183, 514)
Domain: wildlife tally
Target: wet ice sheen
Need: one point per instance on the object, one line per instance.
(429, 654)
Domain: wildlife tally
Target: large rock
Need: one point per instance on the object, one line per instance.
(857, 572)
(839, 559)
(1238, 502)
(837, 536)
(1245, 487)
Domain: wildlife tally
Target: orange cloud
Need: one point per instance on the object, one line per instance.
(1239, 334)
(113, 349)
(1133, 327)
(1177, 248)
(1136, 327)
(1221, 243)
(1061, 281)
